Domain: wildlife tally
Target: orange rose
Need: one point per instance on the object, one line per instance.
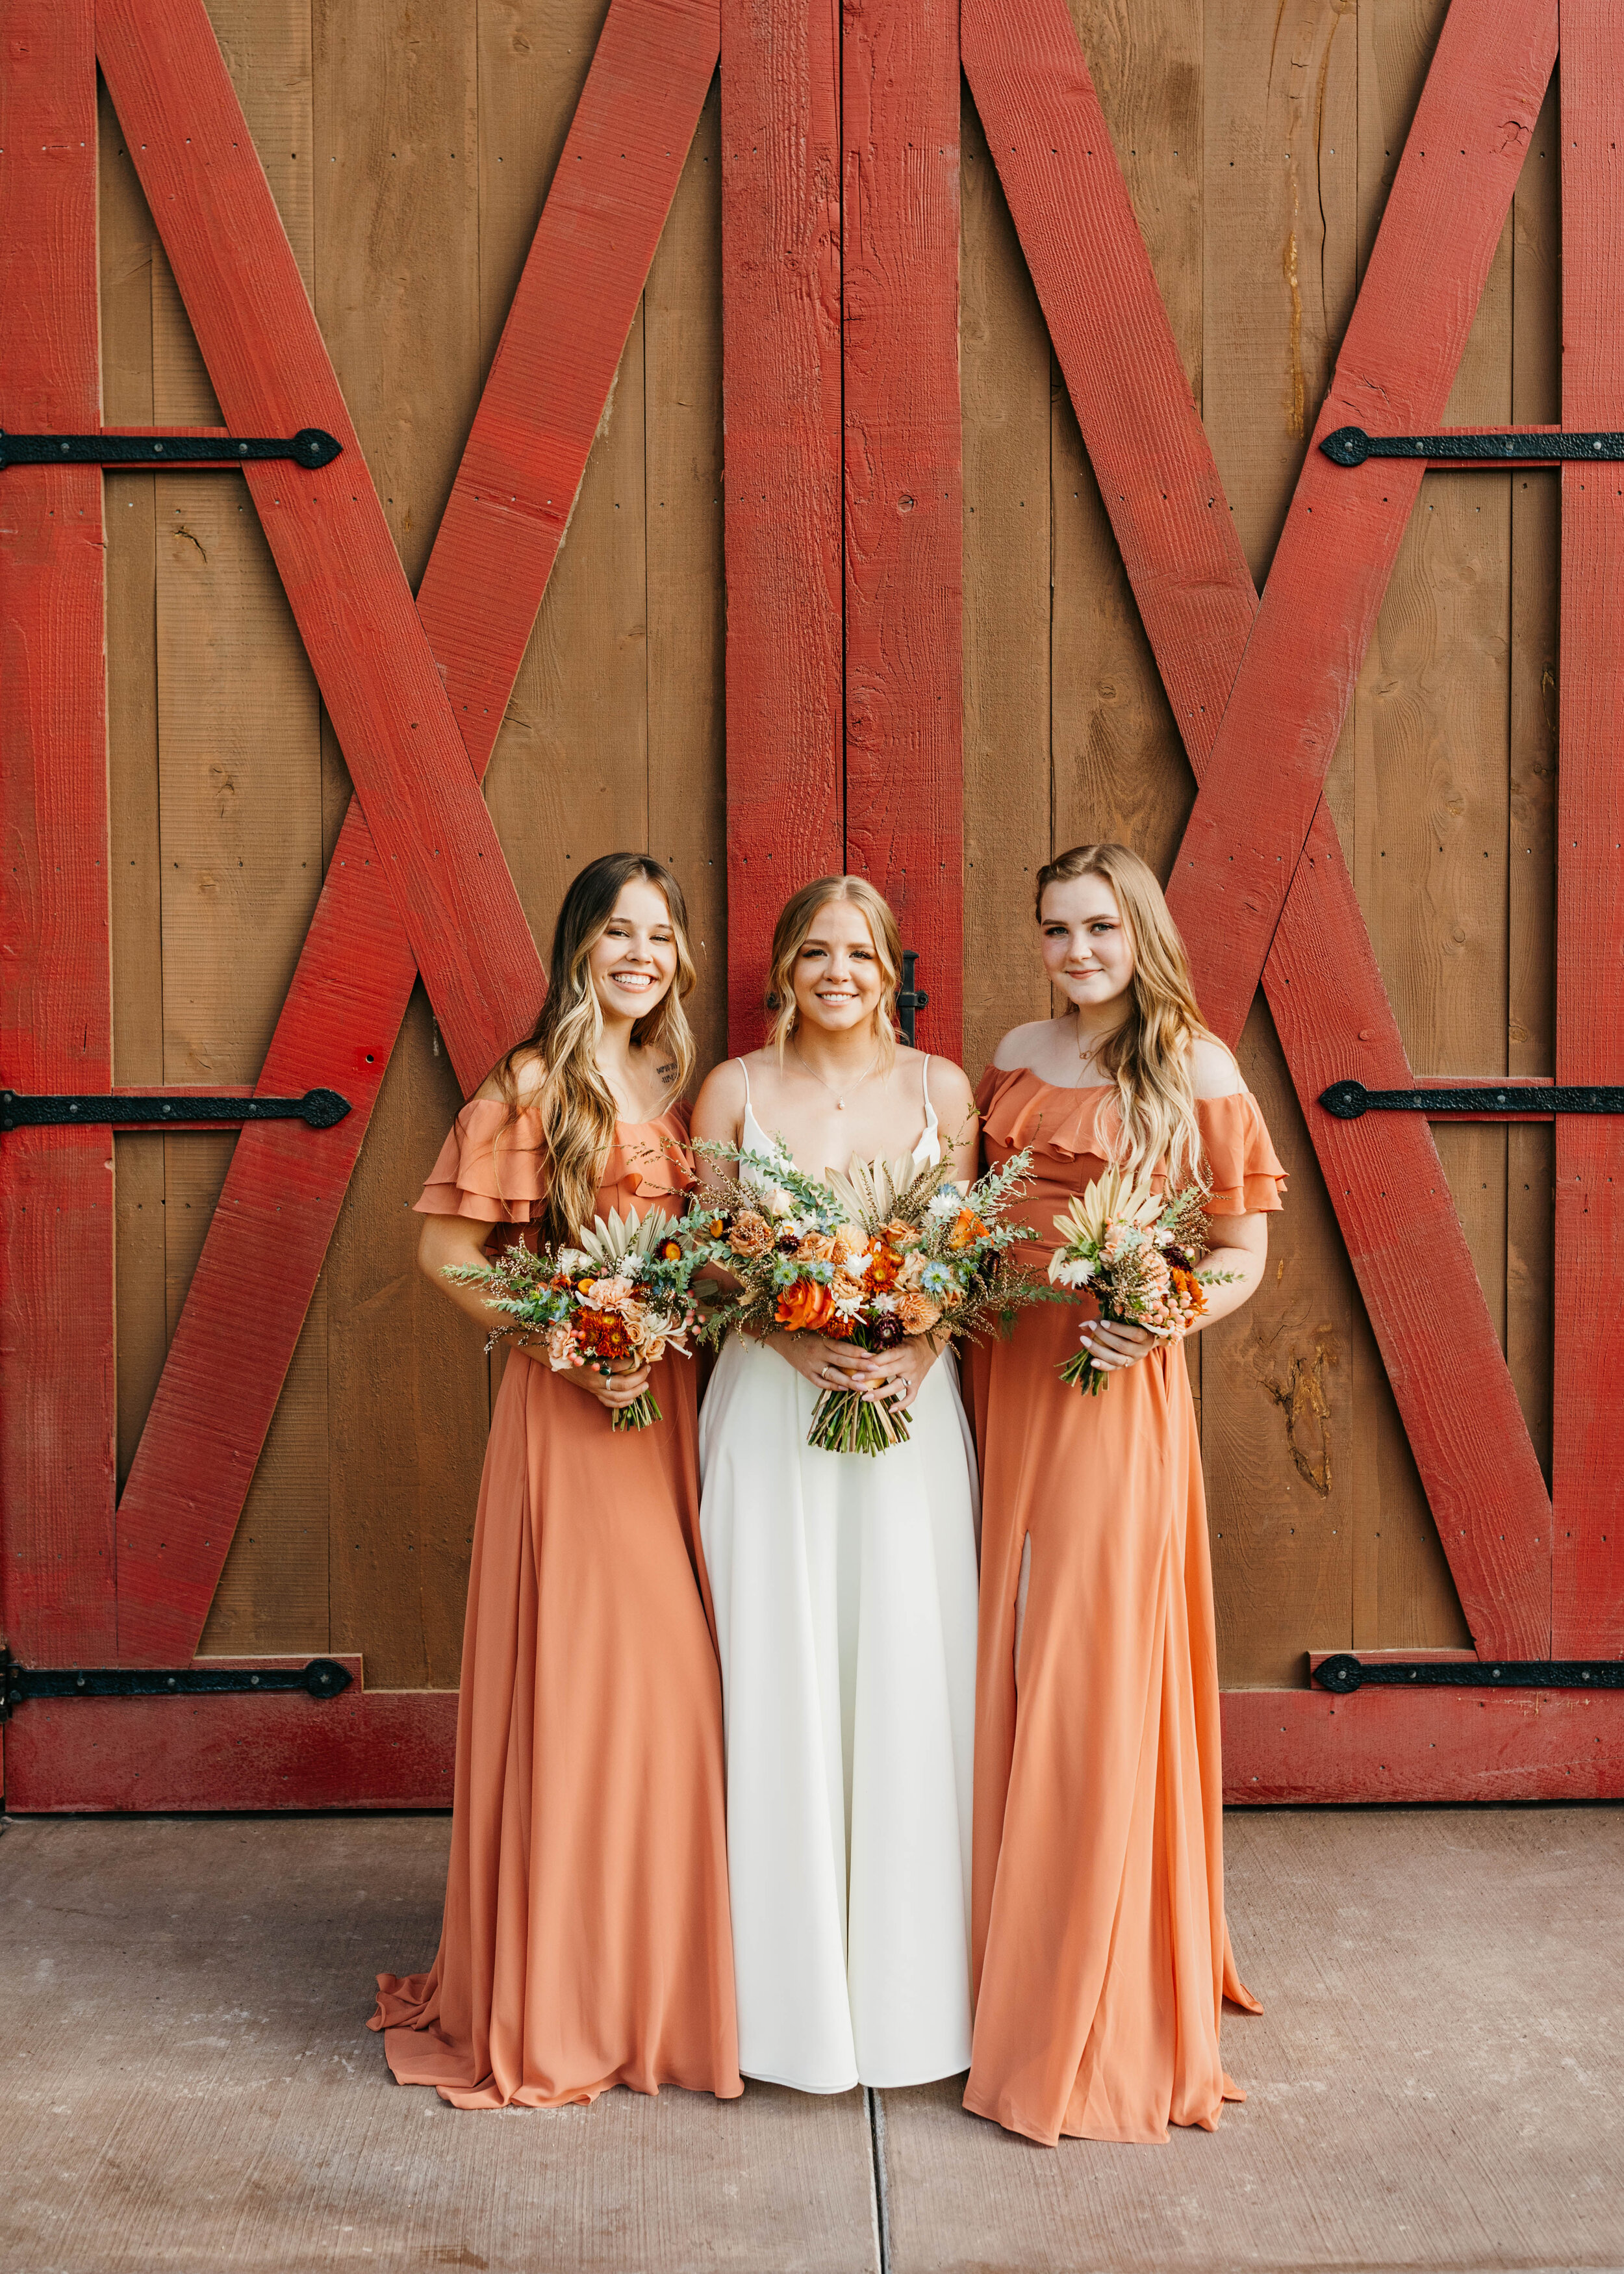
(751, 1235)
(817, 1247)
(967, 1226)
(899, 1234)
(848, 1241)
(917, 1312)
(804, 1306)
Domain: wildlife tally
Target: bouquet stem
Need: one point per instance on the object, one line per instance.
(1081, 1371)
(846, 1421)
(638, 1414)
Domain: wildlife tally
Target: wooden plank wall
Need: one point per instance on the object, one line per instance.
(410, 168)
(1259, 145)
(410, 171)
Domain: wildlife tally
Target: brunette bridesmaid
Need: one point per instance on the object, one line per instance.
(586, 1939)
(1100, 1954)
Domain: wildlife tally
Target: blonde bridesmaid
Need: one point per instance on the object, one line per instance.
(586, 1939)
(1100, 1954)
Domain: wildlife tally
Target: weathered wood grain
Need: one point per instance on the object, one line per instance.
(1004, 377)
(1120, 770)
(239, 822)
(687, 628)
(344, 1008)
(1279, 242)
(1288, 1430)
(904, 483)
(124, 244)
(398, 292)
(56, 1300)
(1288, 1468)
(1325, 990)
(1536, 575)
(241, 284)
(1439, 233)
(1587, 1585)
(1429, 795)
(781, 365)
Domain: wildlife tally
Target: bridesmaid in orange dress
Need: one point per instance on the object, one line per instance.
(1098, 1945)
(586, 1939)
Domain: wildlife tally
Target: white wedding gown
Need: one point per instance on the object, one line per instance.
(845, 1587)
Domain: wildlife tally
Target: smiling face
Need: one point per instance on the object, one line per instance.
(1087, 951)
(633, 961)
(838, 979)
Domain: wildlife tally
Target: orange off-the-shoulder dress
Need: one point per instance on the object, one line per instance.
(1099, 1947)
(586, 1940)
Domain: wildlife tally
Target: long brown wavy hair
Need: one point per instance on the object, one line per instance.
(1149, 1058)
(574, 1103)
(790, 935)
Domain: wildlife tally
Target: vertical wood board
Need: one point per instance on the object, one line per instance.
(338, 1026)
(1324, 987)
(1588, 1604)
(1439, 234)
(57, 1301)
(781, 349)
(903, 482)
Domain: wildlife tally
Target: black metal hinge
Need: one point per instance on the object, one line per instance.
(1351, 445)
(1347, 1099)
(1344, 1673)
(322, 1677)
(910, 1000)
(311, 446)
(318, 1109)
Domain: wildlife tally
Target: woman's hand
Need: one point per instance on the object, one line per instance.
(1113, 1344)
(899, 1372)
(889, 1378)
(619, 1386)
(826, 1365)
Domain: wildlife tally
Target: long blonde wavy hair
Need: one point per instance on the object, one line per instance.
(790, 935)
(1149, 1057)
(574, 1103)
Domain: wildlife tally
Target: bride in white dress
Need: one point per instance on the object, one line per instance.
(845, 1585)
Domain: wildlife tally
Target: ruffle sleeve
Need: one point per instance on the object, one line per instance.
(1018, 1109)
(1246, 1177)
(476, 1177)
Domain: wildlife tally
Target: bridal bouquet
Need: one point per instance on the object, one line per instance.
(886, 1252)
(1135, 1252)
(620, 1296)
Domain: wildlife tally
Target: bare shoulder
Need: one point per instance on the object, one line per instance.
(952, 1092)
(1020, 1044)
(528, 1069)
(720, 1107)
(1213, 1069)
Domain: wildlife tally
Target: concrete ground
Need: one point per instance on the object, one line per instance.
(1437, 2082)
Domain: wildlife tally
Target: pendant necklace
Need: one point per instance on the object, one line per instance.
(829, 1086)
(1085, 1057)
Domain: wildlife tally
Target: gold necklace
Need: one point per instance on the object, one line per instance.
(829, 1086)
(1085, 1057)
